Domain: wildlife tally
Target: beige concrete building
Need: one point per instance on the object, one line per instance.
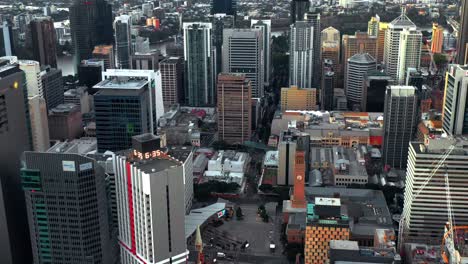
(295, 98)
(360, 42)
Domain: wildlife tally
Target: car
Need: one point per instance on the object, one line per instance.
(220, 255)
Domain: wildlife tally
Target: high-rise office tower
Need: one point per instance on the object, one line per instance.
(437, 38)
(330, 46)
(146, 61)
(200, 64)
(328, 84)
(358, 43)
(15, 137)
(243, 53)
(400, 120)
(37, 105)
(151, 212)
(68, 219)
(425, 210)
(295, 98)
(298, 10)
(381, 41)
(90, 73)
(462, 44)
(234, 108)
(291, 142)
(43, 41)
(373, 96)
(313, 17)
(52, 86)
(455, 109)
(373, 26)
(358, 65)
(172, 80)
(220, 22)
(123, 41)
(106, 54)
(128, 103)
(265, 26)
(228, 7)
(7, 47)
(91, 25)
(402, 47)
(301, 55)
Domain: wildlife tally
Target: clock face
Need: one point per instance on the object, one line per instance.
(299, 177)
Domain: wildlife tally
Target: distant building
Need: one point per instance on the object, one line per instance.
(403, 43)
(234, 108)
(313, 17)
(90, 72)
(294, 98)
(301, 54)
(373, 26)
(65, 122)
(328, 85)
(172, 80)
(437, 38)
(146, 61)
(265, 27)
(330, 46)
(90, 25)
(79, 233)
(15, 138)
(220, 22)
(149, 201)
(228, 7)
(200, 64)
(123, 41)
(7, 46)
(357, 67)
(298, 10)
(126, 107)
(52, 85)
(400, 121)
(462, 43)
(358, 43)
(248, 59)
(43, 41)
(455, 108)
(375, 85)
(106, 54)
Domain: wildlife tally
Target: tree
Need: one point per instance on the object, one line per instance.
(239, 214)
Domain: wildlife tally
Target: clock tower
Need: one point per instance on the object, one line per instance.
(298, 197)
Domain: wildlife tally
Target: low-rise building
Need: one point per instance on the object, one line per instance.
(227, 166)
(270, 168)
(65, 122)
(199, 167)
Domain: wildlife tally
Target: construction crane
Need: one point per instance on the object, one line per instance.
(448, 249)
(439, 164)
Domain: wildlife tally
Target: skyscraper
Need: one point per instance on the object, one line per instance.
(7, 47)
(291, 142)
(146, 61)
(243, 53)
(301, 54)
(298, 10)
(373, 26)
(330, 38)
(91, 25)
(123, 41)
(360, 42)
(172, 80)
(15, 137)
(68, 222)
(295, 98)
(425, 210)
(265, 26)
(437, 38)
(151, 211)
(234, 108)
(106, 54)
(43, 41)
(228, 7)
(400, 120)
(200, 64)
(52, 86)
(462, 44)
(126, 107)
(328, 85)
(402, 47)
(381, 41)
(455, 109)
(220, 22)
(375, 85)
(358, 65)
(90, 73)
(313, 17)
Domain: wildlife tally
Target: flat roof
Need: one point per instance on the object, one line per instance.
(271, 158)
(327, 201)
(77, 146)
(121, 83)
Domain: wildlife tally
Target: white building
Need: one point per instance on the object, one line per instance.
(402, 48)
(265, 26)
(456, 101)
(301, 53)
(227, 166)
(425, 208)
(243, 53)
(150, 206)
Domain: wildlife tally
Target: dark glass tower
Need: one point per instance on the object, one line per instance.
(298, 10)
(43, 41)
(462, 57)
(228, 7)
(91, 25)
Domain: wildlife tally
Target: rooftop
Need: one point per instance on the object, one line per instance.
(76, 146)
(362, 58)
(122, 83)
(402, 22)
(64, 108)
(271, 158)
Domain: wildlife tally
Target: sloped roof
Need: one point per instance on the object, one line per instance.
(402, 21)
